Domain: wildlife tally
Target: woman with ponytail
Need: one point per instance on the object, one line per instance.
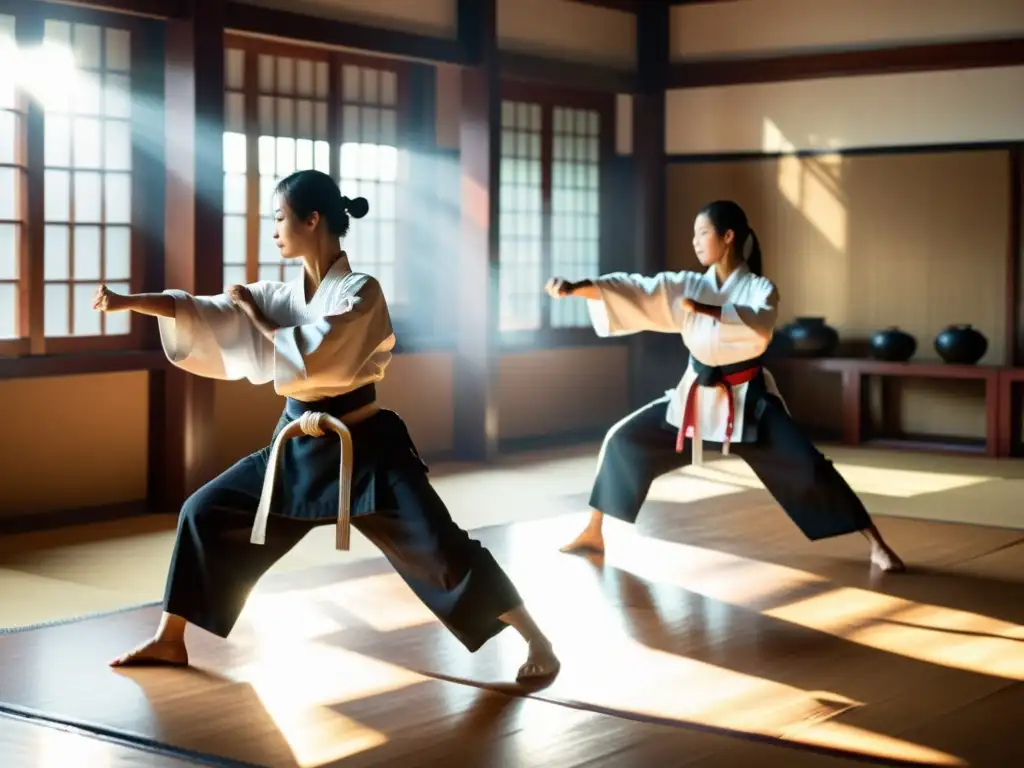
(324, 339)
(726, 398)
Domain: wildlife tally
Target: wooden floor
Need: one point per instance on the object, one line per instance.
(711, 634)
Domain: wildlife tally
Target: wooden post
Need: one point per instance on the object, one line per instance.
(652, 38)
(194, 212)
(476, 357)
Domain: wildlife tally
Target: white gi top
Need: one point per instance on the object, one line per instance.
(632, 303)
(333, 344)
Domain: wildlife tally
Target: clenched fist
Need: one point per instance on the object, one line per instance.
(558, 288)
(108, 301)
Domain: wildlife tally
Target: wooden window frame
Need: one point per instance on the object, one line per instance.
(30, 20)
(402, 314)
(549, 98)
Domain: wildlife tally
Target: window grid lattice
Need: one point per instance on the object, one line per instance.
(87, 180)
(521, 258)
(12, 187)
(369, 168)
(575, 186)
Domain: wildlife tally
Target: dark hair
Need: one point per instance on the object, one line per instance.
(726, 215)
(311, 191)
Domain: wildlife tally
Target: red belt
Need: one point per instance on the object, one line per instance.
(725, 383)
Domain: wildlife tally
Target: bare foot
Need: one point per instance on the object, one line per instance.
(153, 653)
(540, 663)
(886, 559)
(588, 541)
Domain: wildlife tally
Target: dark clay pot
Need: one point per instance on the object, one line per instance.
(810, 337)
(961, 345)
(892, 345)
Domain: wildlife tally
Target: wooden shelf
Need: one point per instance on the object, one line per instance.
(1000, 437)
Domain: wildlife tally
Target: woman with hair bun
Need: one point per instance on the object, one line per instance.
(324, 339)
(726, 316)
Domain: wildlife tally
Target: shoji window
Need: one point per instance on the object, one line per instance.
(521, 276)
(553, 149)
(575, 198)
(292, 108)
(369, 168)
(12, 185)
(87, 180)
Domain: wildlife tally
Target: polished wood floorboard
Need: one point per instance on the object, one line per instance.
(25, 744)
(711, 634)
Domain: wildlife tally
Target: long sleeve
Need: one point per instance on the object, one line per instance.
(335, 349)
(209, 336)
(631, 303)
(753, 321)
(742, 332)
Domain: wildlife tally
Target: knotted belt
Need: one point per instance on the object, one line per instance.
(352, 407)
(720, 377)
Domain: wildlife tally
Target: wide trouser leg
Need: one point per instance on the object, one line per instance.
(455, 576)
(804, 483)
(214, 566)
(637, 450)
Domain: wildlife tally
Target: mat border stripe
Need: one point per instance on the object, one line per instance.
(77, 619)
(118, 737)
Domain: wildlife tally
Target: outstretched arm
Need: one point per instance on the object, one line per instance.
(622, 303)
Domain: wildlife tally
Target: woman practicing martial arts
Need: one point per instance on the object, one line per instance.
(324, 340)
(726, 316)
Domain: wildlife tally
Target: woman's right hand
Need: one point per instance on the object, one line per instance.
(559, 288)
(108, 301)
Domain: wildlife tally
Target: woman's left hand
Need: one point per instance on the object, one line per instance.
(689, 305)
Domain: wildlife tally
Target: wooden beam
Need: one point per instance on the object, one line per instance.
(257, 20)
(156, 9)
(476, 358)
(876, 61)
(650, 177)
(629, 6)
(194, 125)
(566, 74)
(34, 366)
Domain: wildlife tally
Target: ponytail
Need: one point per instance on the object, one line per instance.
(754, 259)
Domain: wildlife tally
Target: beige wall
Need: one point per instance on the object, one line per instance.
(73, 441)
(779, 27)
(867, 242)
(948, 107)
(568, 30)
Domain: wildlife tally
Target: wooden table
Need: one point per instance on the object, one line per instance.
(855, 371)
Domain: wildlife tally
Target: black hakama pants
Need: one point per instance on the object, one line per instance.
(214, 566)
(804, 483)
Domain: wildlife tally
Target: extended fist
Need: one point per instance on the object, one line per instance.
(240, 296)
(108, 301)
(558, 288)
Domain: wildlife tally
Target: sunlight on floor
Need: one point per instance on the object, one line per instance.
(299, 696)
(928, 633)
(643, 681)
(880, 481)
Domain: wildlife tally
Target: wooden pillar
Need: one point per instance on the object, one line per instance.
(652, 40)
(194, 210)
(476, 358)
(1015, 262)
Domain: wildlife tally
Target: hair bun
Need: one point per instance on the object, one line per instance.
(356, 207)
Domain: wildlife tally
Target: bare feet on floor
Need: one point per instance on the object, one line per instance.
(886, 559)
(165, 653)
(540, 663)
(588, 541)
